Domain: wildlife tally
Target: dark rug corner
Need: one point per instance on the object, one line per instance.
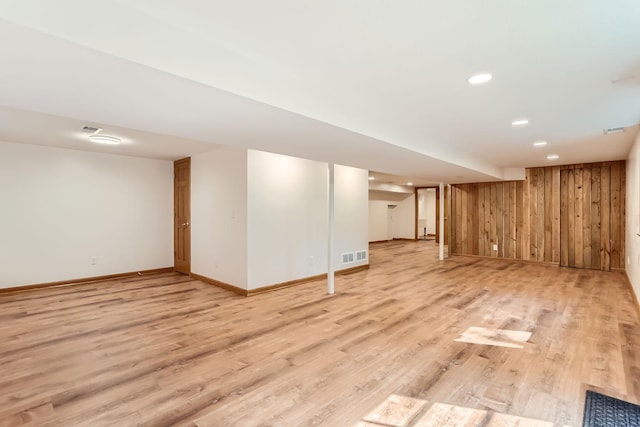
(606, 411)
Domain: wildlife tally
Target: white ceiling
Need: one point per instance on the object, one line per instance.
(374, 84)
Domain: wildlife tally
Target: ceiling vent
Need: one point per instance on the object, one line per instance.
(613, 130)
(90, 129)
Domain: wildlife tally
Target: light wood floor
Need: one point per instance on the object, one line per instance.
(168, 350)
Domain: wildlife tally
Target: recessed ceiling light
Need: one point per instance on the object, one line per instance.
(520, 122)
(105, 139)
(539, 144)
(371, 178)
(409, 183)
(481, 78)
(553, 157)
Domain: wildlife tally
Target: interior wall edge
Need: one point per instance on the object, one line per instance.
(218, 283)
(636, 302)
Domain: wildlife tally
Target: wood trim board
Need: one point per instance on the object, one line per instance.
(84, 280)
(220, 284)
(270, 288)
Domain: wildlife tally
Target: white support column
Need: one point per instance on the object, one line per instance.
(441, 225)
(330, 269)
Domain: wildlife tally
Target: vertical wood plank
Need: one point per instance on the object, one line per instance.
(571, 215)
(615, 215)
(458, 220)
(493, 237)
(526, 214)
(579, 259)
(452, 219)
(555, 207)
(533, 215)
(519, 218)
(473, 234)
(548, 214)
(595, 218)
(542, 213)
(586, 218)
(605, 215)
(564, 217)
(455, 204)
(487, 219)
(447, 216)
(622, 216)
(500, 219)
(464, 213)
(512, 220)
(481, 229)
(506, 252)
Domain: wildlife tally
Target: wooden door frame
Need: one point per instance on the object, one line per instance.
(415, 195)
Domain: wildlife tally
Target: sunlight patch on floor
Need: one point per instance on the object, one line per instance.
(497, 337)
(403, 411)
(397, 411)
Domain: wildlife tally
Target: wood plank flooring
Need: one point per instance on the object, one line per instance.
(168, 350)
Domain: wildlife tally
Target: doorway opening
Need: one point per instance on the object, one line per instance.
(427, 202)
(427, 224)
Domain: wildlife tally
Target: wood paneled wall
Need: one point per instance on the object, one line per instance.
(523, 217)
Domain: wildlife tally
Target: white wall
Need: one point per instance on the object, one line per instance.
(219, 215)
(378, 222)
(62, 207)
(287, 218)
(402, 223)
(404, 219)
(633, 216)
(427, 211)
(259, 219)
(351, 214)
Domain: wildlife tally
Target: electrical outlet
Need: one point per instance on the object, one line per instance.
(94, 260)
(495, 247)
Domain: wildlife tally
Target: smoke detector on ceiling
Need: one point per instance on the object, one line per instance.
(613, 130)
(91, 129)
